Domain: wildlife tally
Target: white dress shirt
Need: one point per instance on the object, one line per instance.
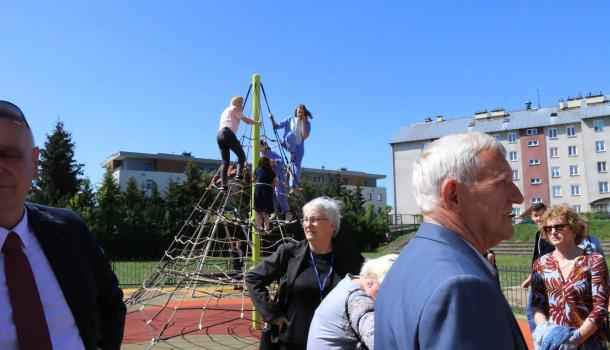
(62, 327)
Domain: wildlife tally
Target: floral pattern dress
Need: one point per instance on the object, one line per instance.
(583, 295)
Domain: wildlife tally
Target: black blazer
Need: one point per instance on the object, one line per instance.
(285, 265)
(84, 275)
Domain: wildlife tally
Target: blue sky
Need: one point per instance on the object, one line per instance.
(154, 76)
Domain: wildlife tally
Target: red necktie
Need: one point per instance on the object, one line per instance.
(30, 322)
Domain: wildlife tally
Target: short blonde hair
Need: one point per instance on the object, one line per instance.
(237, 101)
(376, 269)
(565, 212)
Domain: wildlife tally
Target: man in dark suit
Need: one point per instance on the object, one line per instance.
(73, 299)
(441, 293)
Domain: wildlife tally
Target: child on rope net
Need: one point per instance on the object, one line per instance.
(266, 180)
(227, 141)
(296, 131)
(277, 164)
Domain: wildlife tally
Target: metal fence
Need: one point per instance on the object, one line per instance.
(132, 273)
(510, 280)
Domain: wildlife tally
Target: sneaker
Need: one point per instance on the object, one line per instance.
(289, 216)
(272, 216)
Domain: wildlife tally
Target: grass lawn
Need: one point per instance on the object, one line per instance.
(598, 228)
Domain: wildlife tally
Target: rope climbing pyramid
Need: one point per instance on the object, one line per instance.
(196, 292)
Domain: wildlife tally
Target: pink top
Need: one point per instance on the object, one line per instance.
(230, 118)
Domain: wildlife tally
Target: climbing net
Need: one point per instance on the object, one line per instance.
(197, 288)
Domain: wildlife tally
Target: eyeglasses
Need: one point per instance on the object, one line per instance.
(11, 111)
(557, 227)
(313, 221)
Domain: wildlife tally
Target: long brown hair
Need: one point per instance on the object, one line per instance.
(307, 112)
(265, 163)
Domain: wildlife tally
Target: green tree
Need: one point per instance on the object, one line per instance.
(108, 218)
(154, 211)
(59, 175)
(83, 202)
(133, 230)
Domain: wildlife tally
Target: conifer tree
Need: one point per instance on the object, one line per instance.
(59, 175)
(108, 218)
(83, 202)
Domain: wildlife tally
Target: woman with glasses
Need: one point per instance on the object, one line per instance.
(569, 286)
(307, 271)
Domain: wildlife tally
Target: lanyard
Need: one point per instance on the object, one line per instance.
(322, 284)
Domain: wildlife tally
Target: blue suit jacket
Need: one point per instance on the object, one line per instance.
(440, 295)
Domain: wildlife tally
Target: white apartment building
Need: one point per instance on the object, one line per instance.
(160, 168)
(558, 154)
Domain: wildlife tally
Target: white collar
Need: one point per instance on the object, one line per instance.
(21, 229)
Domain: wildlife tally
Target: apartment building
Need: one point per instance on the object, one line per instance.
(558, 154)
(160, 168)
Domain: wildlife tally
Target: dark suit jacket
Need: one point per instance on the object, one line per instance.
(439, 294)
(84, 275)
(285, 264)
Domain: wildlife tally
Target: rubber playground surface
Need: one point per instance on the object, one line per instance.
(224, 328)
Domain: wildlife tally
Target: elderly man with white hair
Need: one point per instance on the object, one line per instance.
(441, 293)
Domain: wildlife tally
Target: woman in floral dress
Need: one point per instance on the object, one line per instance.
(570, 285)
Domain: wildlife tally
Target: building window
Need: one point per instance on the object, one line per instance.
(512, 156)
(533, 131)
(574, 171)
(577, 208)
(535, 161)
(148, 186)
(557, 191)
(601, 167)
(318, 179)
(603, 187)
(572, 152)
(553, 133)
(517, 212)
(554, 152)
(536, 200)
(600, 146)
(370, 196)
(532, 143)
(497, 137)
(575, 190)
(379, 197)
(515, 175)
(512, 137)
(535, 181)
(555, 171)
(571, 131)
(598, 125)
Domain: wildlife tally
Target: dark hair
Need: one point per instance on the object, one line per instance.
(538, 206)
(10, 111)
(307, 112)
(265, 163)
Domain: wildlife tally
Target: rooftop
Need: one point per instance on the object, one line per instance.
(512, 120)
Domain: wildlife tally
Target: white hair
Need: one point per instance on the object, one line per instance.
(454, 157)
(331, 207)
(376, 269)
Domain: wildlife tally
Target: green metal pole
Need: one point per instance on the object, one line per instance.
(256, 237)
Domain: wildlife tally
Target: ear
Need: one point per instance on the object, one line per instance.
(449, 198)
(35, 159)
